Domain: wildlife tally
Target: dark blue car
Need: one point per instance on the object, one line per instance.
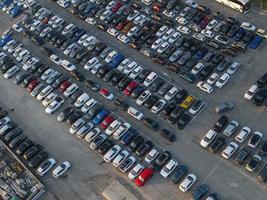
(255, 42)
(5, 40)
(129, 136)
(201, 52)
(5, 2)
(116, 61)
(101, 116)
(15, 11)
(240, 34)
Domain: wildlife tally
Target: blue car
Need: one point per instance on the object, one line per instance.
(15, 11)
(201, 52)
(5, 40)
(240, 34)
(116, 61)
(128, 136)
(255, 42)
(5, 2)
(101, 116)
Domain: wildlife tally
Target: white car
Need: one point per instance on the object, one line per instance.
(243, 134)
(183, 29)
(192, 3)
(46, 91)
(200, 37)
(181, 20)
(150, 79)
(120, 158)
(11, 72)
(84, 130)
(208, 138)
(143, 97)
(158, 106)
(174, 37)
(123, 38)
(88, 105)
(167, 34)
(251, 92)
(186, 184)
(54, 58)
(17, 28)
(169, 13)
(152, 155)
(46, 166)
(61, 169)
(28, 65)
(205, 87)
(171, 93)
(110, 56)
(133, 15)
(211, 24)
(255, 139)
(91, 63)
(70, 90)
(208, 33)
(248, 26)
(222, 80)
(123, 64)
(157, 43)
(229, 150)
(90, 20)
(162, 30)
(168, 168)
(77, 125)
(112, 127)
(136, 170)
(49, 98)
(92, 134)
(121, 130)
(135, 113)
(130, 67)
(197, 68)
(132, 31)
(113, 32)
(83, 38)
(46, 74)
(68, 65)
(136, 72)
(163, 47)
(112, 153)
(54, 105)
(81, 100)
(233, 68)
(213, 78)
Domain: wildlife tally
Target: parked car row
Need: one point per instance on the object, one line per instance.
(257, 93)
(14, 7)
(130, 77)
(171, 44)
(32, 153)
(215, 142)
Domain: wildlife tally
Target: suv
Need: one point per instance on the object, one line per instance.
(218, 126)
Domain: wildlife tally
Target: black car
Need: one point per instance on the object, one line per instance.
(161, 161)
(138, 91)
(262, 81)
(180, 96)
(102, 71)
(175, 113)
(233, 30)
(37, 40)
(151, 123)
(12, 134)
(121, 103)
(93, 111)
(73, 117)
(47, 50)
(92, 85)
(109, 75)
(17, 141)
(242, 156)
(156, 84)
(166, 134)
(187, 44)
(263, 149)
(200, 192)
(183, 120)
(36, 160)
(10, 126)
(24, 146)
(164, 89)
(217, 144)
(259, 97)
(178, 174)
(143, 75)
(219, 125)
(27, 80)
(151, 101)
(144, 148)
(123, 83)
(105, 146)
(254, 162)
(29, 153)
(216, 59)
(190, 78)
(74, 96)
(206, 72)
(136, 143)
(225, 28)
(64, 114)
(167, 110)
(117, 78)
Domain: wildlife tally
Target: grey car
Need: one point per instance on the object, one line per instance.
(224, 107)
(230, 128)
(184, 59)
(175, 55)
(164, 89)
(37, 89)
(105, 52)
(223, 64)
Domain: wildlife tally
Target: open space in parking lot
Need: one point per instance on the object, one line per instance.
(90, 175)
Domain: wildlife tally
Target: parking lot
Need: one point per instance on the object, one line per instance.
(87, 180)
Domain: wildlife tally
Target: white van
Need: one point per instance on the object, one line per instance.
(150, 79)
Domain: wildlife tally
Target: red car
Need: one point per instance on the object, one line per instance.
(116, 7)
(130, 88)
(32, 85)
(122, 24)
(205, 22)
(156, 7)
(64, 86)
(107, 121)
(144, 176)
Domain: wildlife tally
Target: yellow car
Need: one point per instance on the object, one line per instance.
(187, 102)
(262, 33)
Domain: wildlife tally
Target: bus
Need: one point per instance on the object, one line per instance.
(239, 5)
